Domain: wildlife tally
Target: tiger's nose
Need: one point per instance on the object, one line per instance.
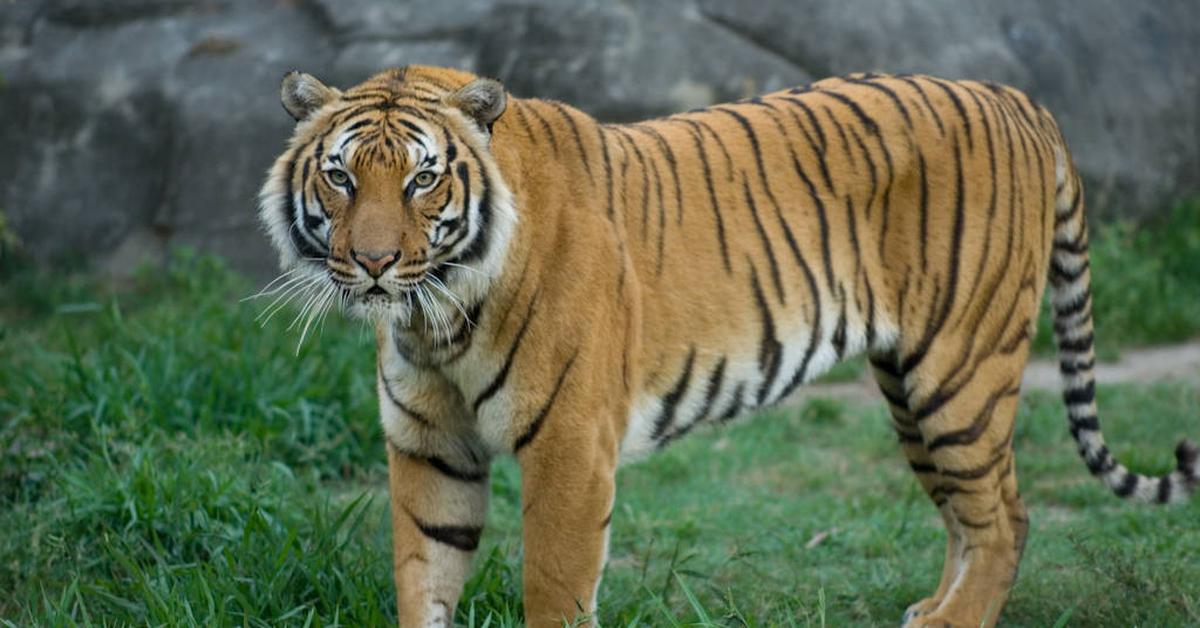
(375, 263)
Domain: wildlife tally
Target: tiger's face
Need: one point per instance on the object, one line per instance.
(385, 200)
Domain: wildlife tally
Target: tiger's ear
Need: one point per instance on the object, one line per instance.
(302, 94)
(483, 101)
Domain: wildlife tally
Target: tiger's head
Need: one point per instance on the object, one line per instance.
(388, 199)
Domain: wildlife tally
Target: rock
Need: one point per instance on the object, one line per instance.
(131, 126)
(1119, 77)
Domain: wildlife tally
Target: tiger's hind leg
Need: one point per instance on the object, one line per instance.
(891, 383)
(965, 419)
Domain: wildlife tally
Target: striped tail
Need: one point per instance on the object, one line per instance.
(1070, 295)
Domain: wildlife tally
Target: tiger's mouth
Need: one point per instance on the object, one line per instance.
(398, 297)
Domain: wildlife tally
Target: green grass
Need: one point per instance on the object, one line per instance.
(1145, 282)
(166, 460)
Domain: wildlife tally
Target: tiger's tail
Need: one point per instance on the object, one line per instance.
(1070, 296)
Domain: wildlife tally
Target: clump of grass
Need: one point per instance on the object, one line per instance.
(194, 531)
(1145, 280)
(178, 353)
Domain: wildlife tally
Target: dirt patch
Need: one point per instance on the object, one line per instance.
(1137, 366)
(1175, 362)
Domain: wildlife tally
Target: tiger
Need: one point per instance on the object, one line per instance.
(578, 295)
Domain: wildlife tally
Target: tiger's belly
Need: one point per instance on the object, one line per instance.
(712, 385)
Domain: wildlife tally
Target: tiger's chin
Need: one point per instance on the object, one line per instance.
(380, 307)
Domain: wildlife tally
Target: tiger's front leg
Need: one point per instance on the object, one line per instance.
(438, 482)
(437, 518)
(568, 465)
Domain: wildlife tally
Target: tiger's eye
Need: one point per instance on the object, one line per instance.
(339, 177)
(424, 179)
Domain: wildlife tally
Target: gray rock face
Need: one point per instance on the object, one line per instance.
(130, 126)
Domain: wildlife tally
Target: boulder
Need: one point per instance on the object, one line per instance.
(131, 126)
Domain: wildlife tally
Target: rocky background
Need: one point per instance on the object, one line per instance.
(131, 126)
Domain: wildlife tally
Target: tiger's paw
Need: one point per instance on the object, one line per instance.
(914, 613)
(932, 619)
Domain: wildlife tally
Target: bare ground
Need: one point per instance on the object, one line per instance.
(1173, 362)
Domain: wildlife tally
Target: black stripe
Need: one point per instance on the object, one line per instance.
(841, 131)
(701, 125)
(762, 234)
(662, 217)
(711, 389)
(1075, 307)
(735, 404)
(413, 414)
(958, 105)
(498, 381)
(867, 121)
(1085, 394)
(545, 127)
(839, 330)
(973, 473)
(671, 400)
(421, 137)
(929, 105)
(933, 403)
(1089, 423)
(536, 426)
(1101, 462)
(670, 157)
(1076, 345)
(525, 124)
(812, 119)
(822, 162)
(637, 152)
(293, 214)
(1073, 368)
(1068, 276)
(978, 425)
(889, 368)
(608, 176)
(960, 193)
(921, 467)
(766, 186)
(464, 538)
(698, 140)
(469, 320)
(1164, 489)
(787, 231)
(455, 474)
(896, 399)
(1078, 246)
(658, 191)
(870, 311)
(923, 209)
(862, 146)
(934, 324)
(770, 351)
(363, 96)
(478, 248)
(1128, 485)
(819, 205)
(574, 132)
(991, 287)
(887, 91)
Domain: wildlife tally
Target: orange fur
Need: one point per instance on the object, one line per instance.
(628, 282)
